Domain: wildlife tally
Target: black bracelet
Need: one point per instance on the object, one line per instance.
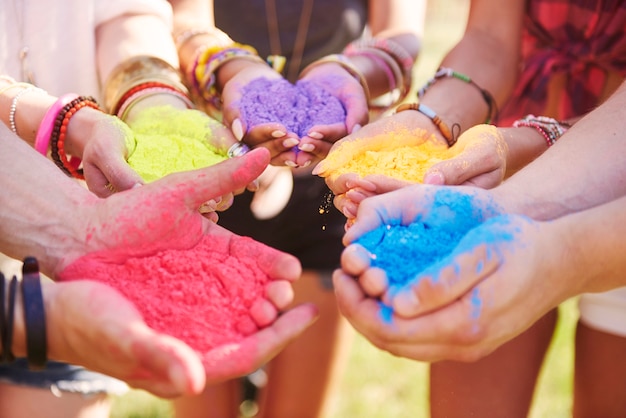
(7, 338)
(34, 314)
(3, 315)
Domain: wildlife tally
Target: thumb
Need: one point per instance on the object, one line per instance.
(198, 186)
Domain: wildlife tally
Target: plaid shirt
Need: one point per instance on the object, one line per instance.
(582, 39)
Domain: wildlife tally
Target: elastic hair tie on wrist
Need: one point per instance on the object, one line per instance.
(34, 315)
(444, 72)
(450, 135)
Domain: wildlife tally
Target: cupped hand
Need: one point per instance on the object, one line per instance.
(333, 78)
(477, 159)
(93, 325)
(495, 285)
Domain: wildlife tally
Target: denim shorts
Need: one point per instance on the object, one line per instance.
(61, 377)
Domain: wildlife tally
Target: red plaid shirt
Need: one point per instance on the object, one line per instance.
(582, 39)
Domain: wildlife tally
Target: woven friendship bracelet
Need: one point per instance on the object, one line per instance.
(34, 315)
(440, 124)
(551, 129)
(444, 72)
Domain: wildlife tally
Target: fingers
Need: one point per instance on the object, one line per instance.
(234, 360)
(119, 176)
(438, 289)
(178, 365)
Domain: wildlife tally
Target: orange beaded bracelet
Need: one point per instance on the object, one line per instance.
(59, 132)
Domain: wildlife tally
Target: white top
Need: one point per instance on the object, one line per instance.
(61, 38)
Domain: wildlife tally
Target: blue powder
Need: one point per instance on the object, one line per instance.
(404, 251)
(456, 223)
(298, 107)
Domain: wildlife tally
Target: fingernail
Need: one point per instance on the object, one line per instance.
(317, 169)
(355, 128)
(278, 134)
(290, 142)
(237, 129)
(291, 164)
(136, 185)
(306, 163)
(315, 135)
(435, 178)
(306, 147)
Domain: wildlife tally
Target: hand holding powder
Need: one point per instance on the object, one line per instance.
(170, 140)
(404, 251)
(203, 295)
(298, 107)
(400, 154)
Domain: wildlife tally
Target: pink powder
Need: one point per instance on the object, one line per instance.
(202, 295)
(298, 107)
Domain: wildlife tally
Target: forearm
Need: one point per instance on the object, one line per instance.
(585, 168)
(594, 247)
(39, 206)
(130, 36)
(488, 53)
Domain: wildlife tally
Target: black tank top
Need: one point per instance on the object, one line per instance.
(333, 24)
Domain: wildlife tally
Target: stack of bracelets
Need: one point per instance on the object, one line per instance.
(138, 78)
(34, 315)
(393, 59)
(551, 129)
(201, 74)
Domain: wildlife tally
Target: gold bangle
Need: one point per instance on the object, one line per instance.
(346, 64)
(139, 70)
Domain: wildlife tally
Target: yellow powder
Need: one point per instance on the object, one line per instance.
(401, 154)
(170, 140)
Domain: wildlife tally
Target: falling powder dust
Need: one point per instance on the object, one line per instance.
(201, 296)
(169, 142)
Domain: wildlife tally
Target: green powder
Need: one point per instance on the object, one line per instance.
(170, 140)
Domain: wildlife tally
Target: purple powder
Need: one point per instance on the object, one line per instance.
(298, 107)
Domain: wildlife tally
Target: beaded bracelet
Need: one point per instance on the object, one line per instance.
(34, 315)
(57, 138)
(551, 129)
(444, 72)
(346, 64)
(439, 123)
(13, 107)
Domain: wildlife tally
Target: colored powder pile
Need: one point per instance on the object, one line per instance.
(201, 296)
(393, 154)
(172, 143)
(298, 107)
(404, 251)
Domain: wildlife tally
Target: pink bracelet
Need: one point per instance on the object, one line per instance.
(42, 140)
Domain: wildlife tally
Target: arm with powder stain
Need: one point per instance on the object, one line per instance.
(49, 216)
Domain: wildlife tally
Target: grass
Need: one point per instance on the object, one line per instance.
(377, 384)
